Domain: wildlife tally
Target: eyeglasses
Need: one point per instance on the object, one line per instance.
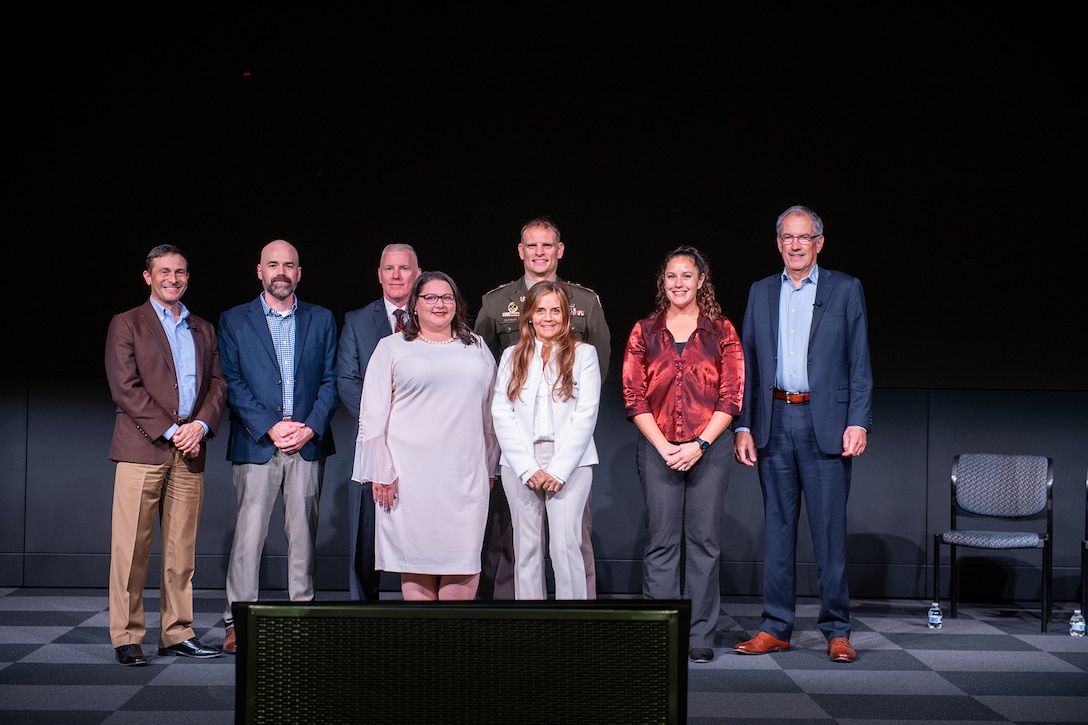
(432, 299)
(803, 239)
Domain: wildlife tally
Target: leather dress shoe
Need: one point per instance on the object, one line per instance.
(761, 644)
(230, 641)
(701, 655)
(130, 655)
(190, 648)
(840, 650)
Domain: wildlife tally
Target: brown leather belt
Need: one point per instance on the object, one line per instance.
(792, 397)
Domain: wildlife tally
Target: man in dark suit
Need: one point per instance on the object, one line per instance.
(363, 328)
(279, 360)
(540, 249)
(806, 414)
(162, 364)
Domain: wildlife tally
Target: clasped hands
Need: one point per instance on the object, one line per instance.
(681, 456)
(543, 481)
(187, 438)
(290, 435)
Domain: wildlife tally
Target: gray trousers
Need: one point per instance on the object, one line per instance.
(256, 488)
(684, 526)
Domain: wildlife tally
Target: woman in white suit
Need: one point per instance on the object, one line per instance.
(544, 408)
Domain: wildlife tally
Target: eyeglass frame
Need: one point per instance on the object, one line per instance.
(447, 298)
(803, 239)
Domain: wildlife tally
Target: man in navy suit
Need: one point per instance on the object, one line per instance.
(806, 414)
(279, 357)
(363, 328)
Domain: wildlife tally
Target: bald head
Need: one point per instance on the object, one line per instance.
(279, 272)
(279, 249)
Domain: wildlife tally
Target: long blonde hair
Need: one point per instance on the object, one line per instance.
(562, 348)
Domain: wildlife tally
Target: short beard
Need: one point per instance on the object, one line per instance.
(280, 292)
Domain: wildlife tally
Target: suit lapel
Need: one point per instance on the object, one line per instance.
(260, 329)
(302, 326)
(149, 316)
(774, 294)
(823, 294)
(198, 353)
(382, 324)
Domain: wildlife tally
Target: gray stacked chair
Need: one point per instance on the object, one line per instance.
(988, 488)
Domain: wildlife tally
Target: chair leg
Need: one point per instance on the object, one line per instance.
(1084, 576)
(954, 576)
(1048, 582)
(937, 567)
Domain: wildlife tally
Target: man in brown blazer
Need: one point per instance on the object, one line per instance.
(163, 368)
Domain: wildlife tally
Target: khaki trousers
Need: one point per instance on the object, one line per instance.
(143, 494)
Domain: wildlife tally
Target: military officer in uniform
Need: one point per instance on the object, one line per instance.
(540, 250)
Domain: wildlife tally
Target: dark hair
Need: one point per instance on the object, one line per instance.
(704, 297)
(817, 222)
(459, 327)
(562, 349)
(541, 221)
(161, 251)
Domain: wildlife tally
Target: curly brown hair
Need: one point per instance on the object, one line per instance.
(704, 297)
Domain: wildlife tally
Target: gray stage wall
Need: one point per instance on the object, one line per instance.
(56, 492)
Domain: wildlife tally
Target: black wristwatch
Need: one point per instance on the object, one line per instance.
(702, 444)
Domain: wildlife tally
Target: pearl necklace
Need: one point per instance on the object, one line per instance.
(436, 342)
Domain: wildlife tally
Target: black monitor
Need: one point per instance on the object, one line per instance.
(599, 661)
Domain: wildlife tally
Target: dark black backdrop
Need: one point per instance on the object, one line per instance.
(942, 145)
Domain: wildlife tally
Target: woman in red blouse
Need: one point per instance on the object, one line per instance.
(683, 380)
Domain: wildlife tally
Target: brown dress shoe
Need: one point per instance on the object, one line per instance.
(840, 650)
(230, 642)
(761, 644)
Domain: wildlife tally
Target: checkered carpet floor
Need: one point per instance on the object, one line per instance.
(989, 665)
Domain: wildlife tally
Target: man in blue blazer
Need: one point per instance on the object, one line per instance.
(279, 356)
(398, 269)
(806, 414)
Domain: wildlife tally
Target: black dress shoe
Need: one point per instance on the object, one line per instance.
(190, 648)
(130, 655)
(701, 655)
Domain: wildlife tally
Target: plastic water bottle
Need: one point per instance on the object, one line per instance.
(936, 616)
(1076, 624)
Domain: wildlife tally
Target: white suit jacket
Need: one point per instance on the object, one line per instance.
(574, 419)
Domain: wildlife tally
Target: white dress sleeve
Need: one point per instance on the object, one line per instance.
(373, 461)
